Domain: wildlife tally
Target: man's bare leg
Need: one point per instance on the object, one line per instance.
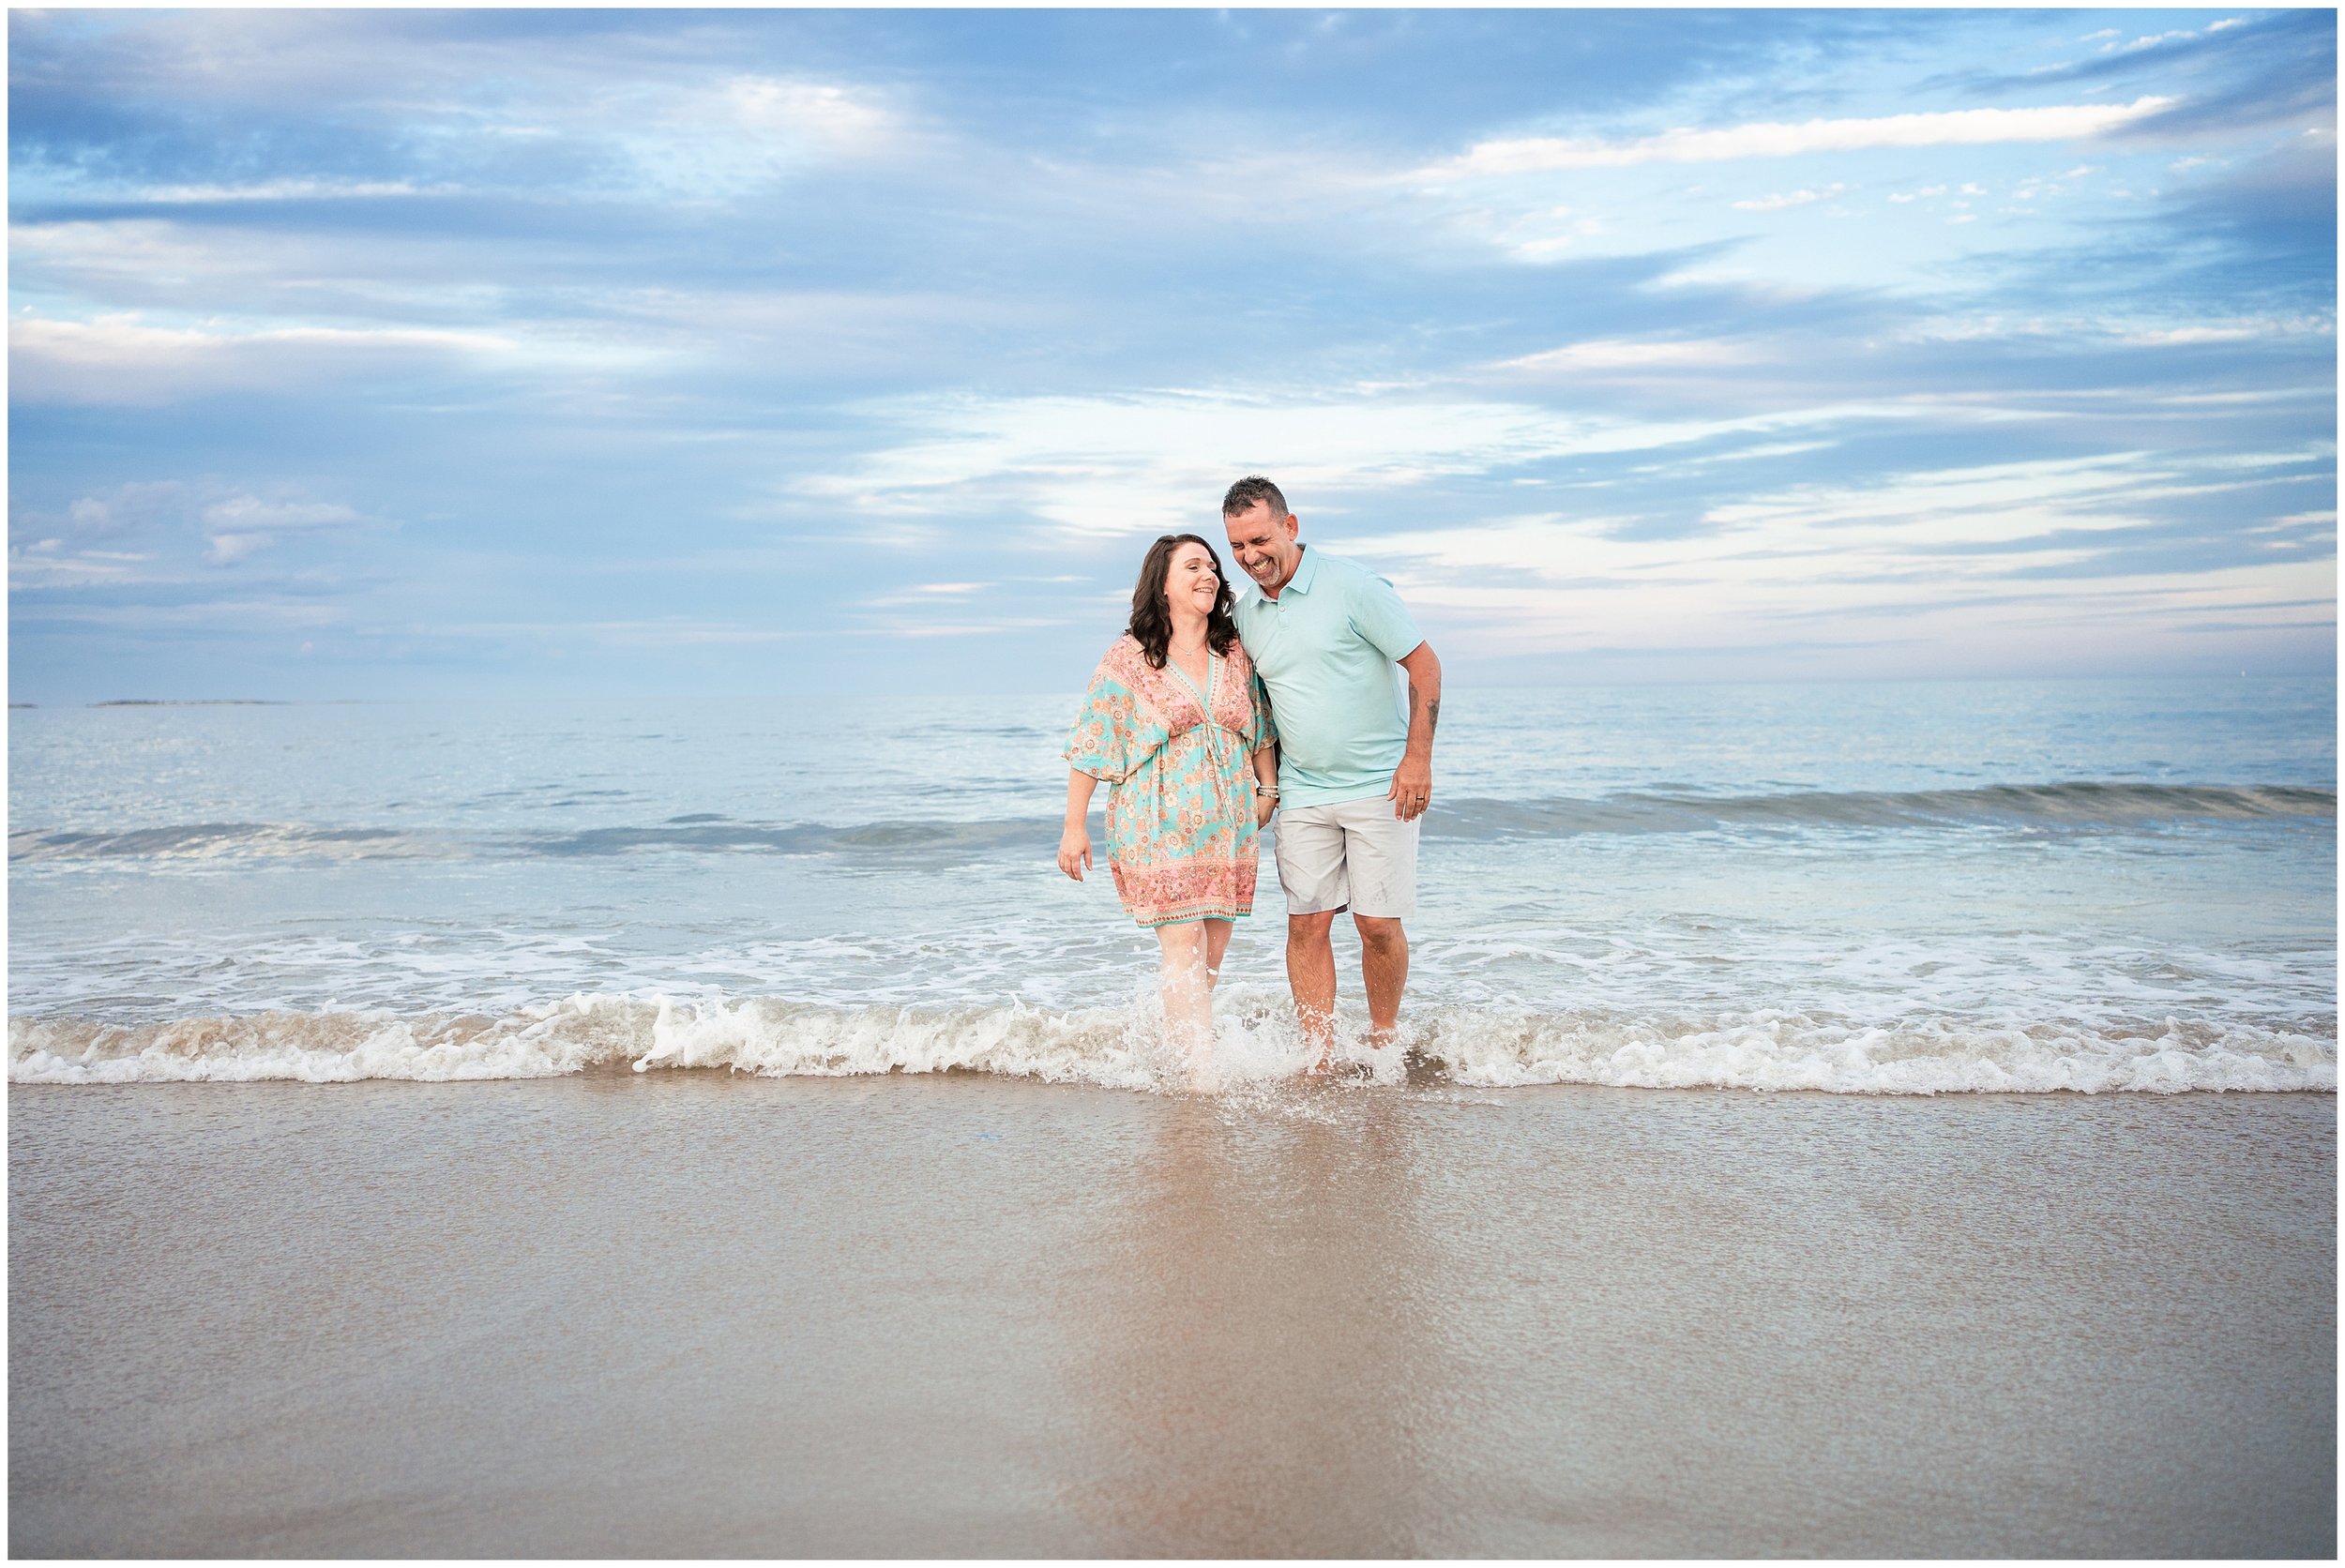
(1311, 975)
(1385, 969)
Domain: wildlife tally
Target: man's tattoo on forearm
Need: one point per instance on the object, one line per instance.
(1432, 715)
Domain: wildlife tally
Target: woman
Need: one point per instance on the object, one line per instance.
(1179, 726)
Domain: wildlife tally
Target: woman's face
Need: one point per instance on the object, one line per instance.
(1190, 582)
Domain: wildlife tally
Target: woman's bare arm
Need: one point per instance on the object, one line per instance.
(1074, 840)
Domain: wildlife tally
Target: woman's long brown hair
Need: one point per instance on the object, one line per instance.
(1152, 621)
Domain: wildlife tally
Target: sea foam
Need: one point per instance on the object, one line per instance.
(1118, 1047)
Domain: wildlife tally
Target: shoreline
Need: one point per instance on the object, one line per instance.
(1460, 1046)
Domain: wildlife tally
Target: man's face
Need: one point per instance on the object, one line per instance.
(1263, 542)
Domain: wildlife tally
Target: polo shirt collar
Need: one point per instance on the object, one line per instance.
(1305, 570)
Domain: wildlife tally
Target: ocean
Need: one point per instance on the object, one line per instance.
(1866, 888)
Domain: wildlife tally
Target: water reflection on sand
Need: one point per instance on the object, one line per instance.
(1268, 1379)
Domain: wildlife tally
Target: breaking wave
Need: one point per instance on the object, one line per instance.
(2072, 807)
(1116, 1047)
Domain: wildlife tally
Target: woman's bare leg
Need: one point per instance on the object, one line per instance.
(1217, 944)
(1188, 998)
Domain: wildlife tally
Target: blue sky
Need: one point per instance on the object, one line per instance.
(416, 354)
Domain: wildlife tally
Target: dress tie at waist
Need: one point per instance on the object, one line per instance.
(1215, 747)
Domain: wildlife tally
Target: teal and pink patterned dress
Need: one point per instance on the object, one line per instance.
(1177, 763)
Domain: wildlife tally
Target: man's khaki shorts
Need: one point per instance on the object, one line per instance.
(1355, 854)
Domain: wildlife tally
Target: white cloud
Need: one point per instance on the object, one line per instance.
(751, 131)
(1541, 235)
(245, 511)
(2297, 521)
(82, 544)
(1141, 464)
(245, 524)
(228, 548)
(1634, 353)
(1790, 198)
(293, 191)
(925, 594)
(127, 508)
(1992, 503)
(226, 615)
(673, 631)
(242, 523)
(1948, 128)
(117, 359)
(2095, 331)
(1921, 555)
(815, 110)
(2175, 335)
(126, 262)
(232, 524)
(47, 564)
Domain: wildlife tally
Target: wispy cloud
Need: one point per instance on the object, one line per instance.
(1925, 549)
(182, 527)
(1633, 354)
(242, 523)
(1789, 199)
(125, 361)
(747, 132)
(1132, 465)
(1774, 138)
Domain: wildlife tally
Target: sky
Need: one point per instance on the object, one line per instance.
(527, 353)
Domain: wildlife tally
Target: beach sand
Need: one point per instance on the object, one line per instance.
(699, 1313)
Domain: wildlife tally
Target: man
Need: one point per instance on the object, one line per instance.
(1356, 769)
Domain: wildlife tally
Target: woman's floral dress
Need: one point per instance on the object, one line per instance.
(1178, 766)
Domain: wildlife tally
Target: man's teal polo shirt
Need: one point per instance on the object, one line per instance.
(1327, 650)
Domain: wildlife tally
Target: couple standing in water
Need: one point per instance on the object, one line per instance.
(1215, 710)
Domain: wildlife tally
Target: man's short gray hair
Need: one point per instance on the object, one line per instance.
(1250, 490)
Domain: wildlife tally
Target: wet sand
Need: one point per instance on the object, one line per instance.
(692, 1314)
